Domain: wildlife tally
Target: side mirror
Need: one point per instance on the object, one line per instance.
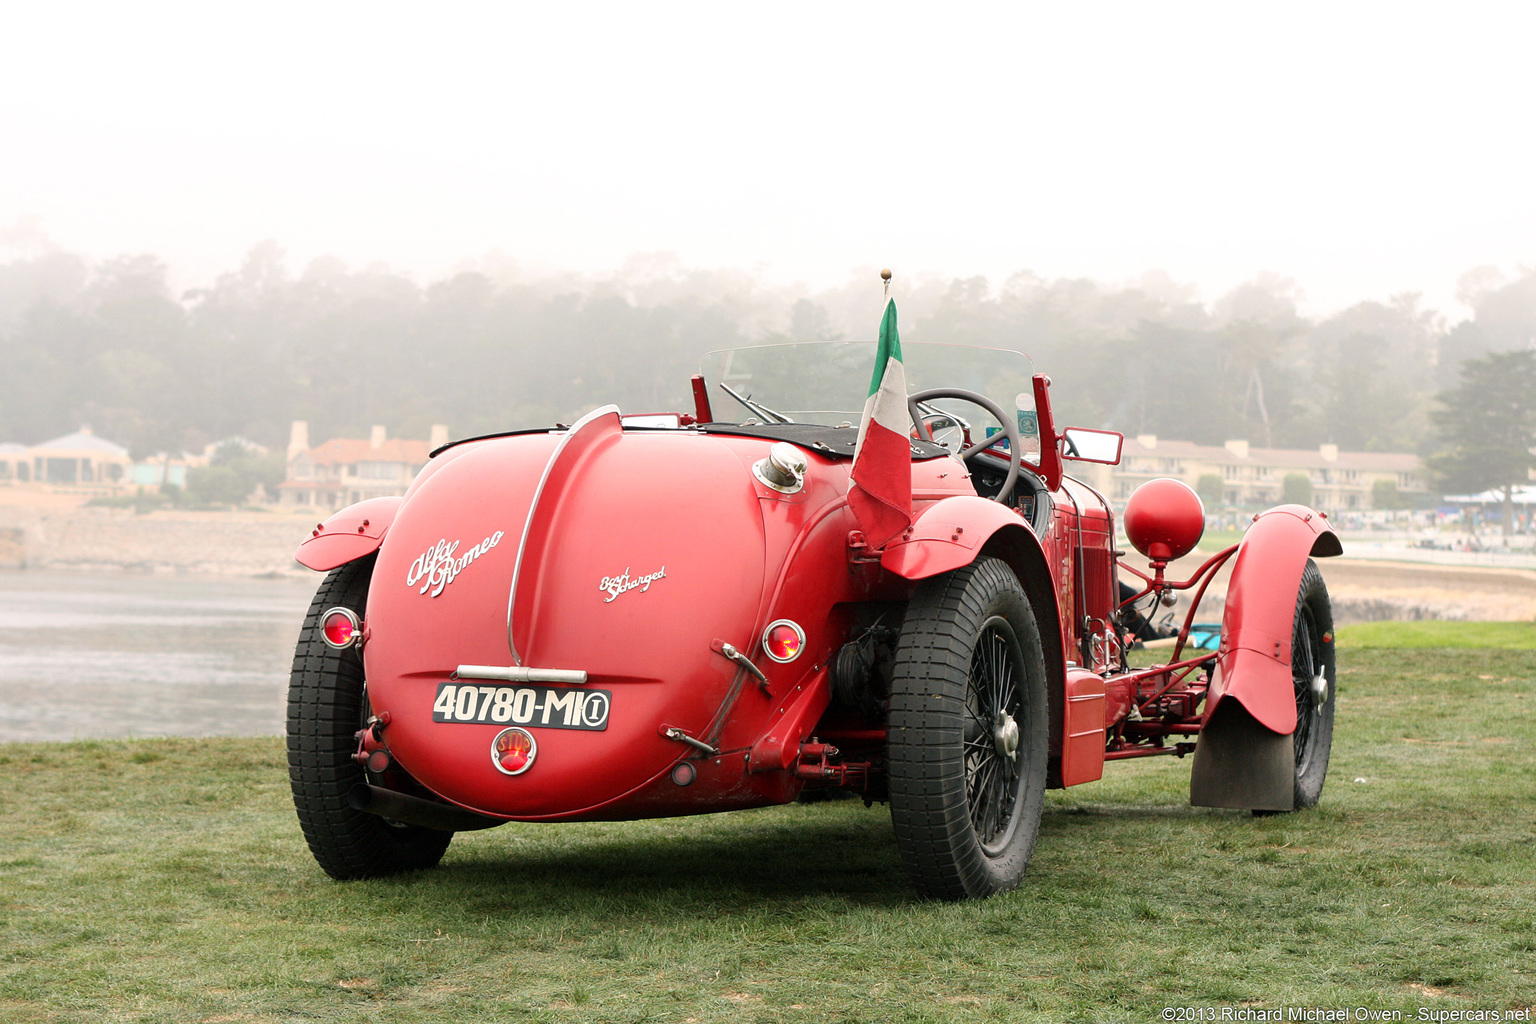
(1084, 445)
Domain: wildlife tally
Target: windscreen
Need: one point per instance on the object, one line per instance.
(827, 383)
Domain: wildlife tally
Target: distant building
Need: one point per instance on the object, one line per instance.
(154, 472)
(345, 470)
(1341, 481)
(81, 459)
(15, 463)
(163, 468)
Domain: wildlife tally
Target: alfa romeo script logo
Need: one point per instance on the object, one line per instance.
(613, 586)
(440, 563)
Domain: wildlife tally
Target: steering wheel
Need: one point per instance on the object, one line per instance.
(1010, 431)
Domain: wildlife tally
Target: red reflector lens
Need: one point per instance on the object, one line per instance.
(783, 641)
(340, 627)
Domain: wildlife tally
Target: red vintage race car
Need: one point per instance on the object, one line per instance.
(680, 613)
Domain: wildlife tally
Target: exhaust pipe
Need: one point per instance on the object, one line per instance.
(413, 810)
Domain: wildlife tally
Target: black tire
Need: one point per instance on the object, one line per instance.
(327, 705)
(1312, 655)
(965, 813)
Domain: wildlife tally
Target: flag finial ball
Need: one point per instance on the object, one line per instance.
(885, 275)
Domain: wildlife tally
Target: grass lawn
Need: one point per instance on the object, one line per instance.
(1213, 541)
(166, 880)
(1518, 636)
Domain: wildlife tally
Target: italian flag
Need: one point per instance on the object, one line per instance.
(881, 495)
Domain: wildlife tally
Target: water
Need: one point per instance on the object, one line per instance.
(89, 655)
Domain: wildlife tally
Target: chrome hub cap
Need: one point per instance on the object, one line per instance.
(1320, 689)
(1005, 733)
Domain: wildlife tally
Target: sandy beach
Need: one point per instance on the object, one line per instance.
(54, 535)
(1376, 590)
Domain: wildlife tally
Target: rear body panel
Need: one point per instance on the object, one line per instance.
(624, 583)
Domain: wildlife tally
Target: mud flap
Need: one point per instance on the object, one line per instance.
(1240, 763)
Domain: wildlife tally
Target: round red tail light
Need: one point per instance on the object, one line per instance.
(340, 627)
(783, 640)
(513, 751)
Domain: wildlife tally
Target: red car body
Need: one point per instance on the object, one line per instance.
(578, 624)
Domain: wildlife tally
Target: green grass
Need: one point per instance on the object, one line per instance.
(166, 881)
(1213, 541)
(1510, 636)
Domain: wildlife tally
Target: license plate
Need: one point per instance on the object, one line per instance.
(553, 707)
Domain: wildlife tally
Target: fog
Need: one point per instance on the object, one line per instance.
(1362, 150)
(112, 344)
(210, 216)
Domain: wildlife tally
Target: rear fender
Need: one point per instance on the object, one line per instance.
(954, 532)
(348, 535)
(1254, 664)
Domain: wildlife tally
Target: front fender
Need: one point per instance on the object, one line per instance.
(947, 534)
(348, 535)
(1254, 664)
(954, 532)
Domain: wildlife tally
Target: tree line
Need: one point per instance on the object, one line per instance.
(493, 348)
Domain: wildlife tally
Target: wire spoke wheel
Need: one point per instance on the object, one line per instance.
(991, 763)
(1303, 671)
(1313, 677)
(968, 733)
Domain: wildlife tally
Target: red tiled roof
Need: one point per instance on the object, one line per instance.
(1400, 462)
(346, 450)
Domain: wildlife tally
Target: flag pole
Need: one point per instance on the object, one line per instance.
(880, 490)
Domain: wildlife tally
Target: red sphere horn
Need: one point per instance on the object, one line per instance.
(1164, 519)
